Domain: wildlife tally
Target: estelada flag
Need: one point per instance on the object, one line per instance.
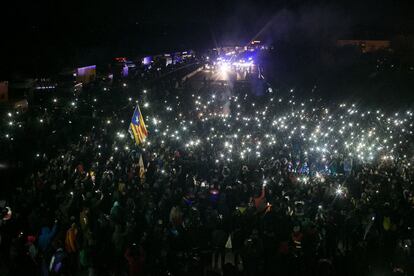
(141, 167)
(137, 126)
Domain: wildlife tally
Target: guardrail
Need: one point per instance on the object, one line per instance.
(189, 75)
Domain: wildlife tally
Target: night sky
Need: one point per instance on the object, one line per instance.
(40, 37)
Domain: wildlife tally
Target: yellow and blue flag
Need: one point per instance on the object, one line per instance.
(137, 126)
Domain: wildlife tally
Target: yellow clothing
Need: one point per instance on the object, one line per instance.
(70, 240)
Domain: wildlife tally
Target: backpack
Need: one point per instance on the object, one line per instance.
(56, 263)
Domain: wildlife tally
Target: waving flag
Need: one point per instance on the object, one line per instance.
(137, 126)
(141, 168)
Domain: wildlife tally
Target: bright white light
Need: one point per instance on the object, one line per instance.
(124, 84)
(146, 105)
(224, 68)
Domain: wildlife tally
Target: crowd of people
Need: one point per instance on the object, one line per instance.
(227, 183)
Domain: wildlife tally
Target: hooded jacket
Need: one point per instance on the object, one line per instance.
(45, 237)
(71, 245)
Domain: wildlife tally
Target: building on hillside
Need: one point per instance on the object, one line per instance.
(121, 67)
(45, 84)
(366, 46)
(21, 88)
(4, 91)
(85, 74)
(15, 93)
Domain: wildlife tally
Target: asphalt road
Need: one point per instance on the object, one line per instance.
(215, 75)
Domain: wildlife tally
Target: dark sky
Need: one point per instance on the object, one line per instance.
(42, 36)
